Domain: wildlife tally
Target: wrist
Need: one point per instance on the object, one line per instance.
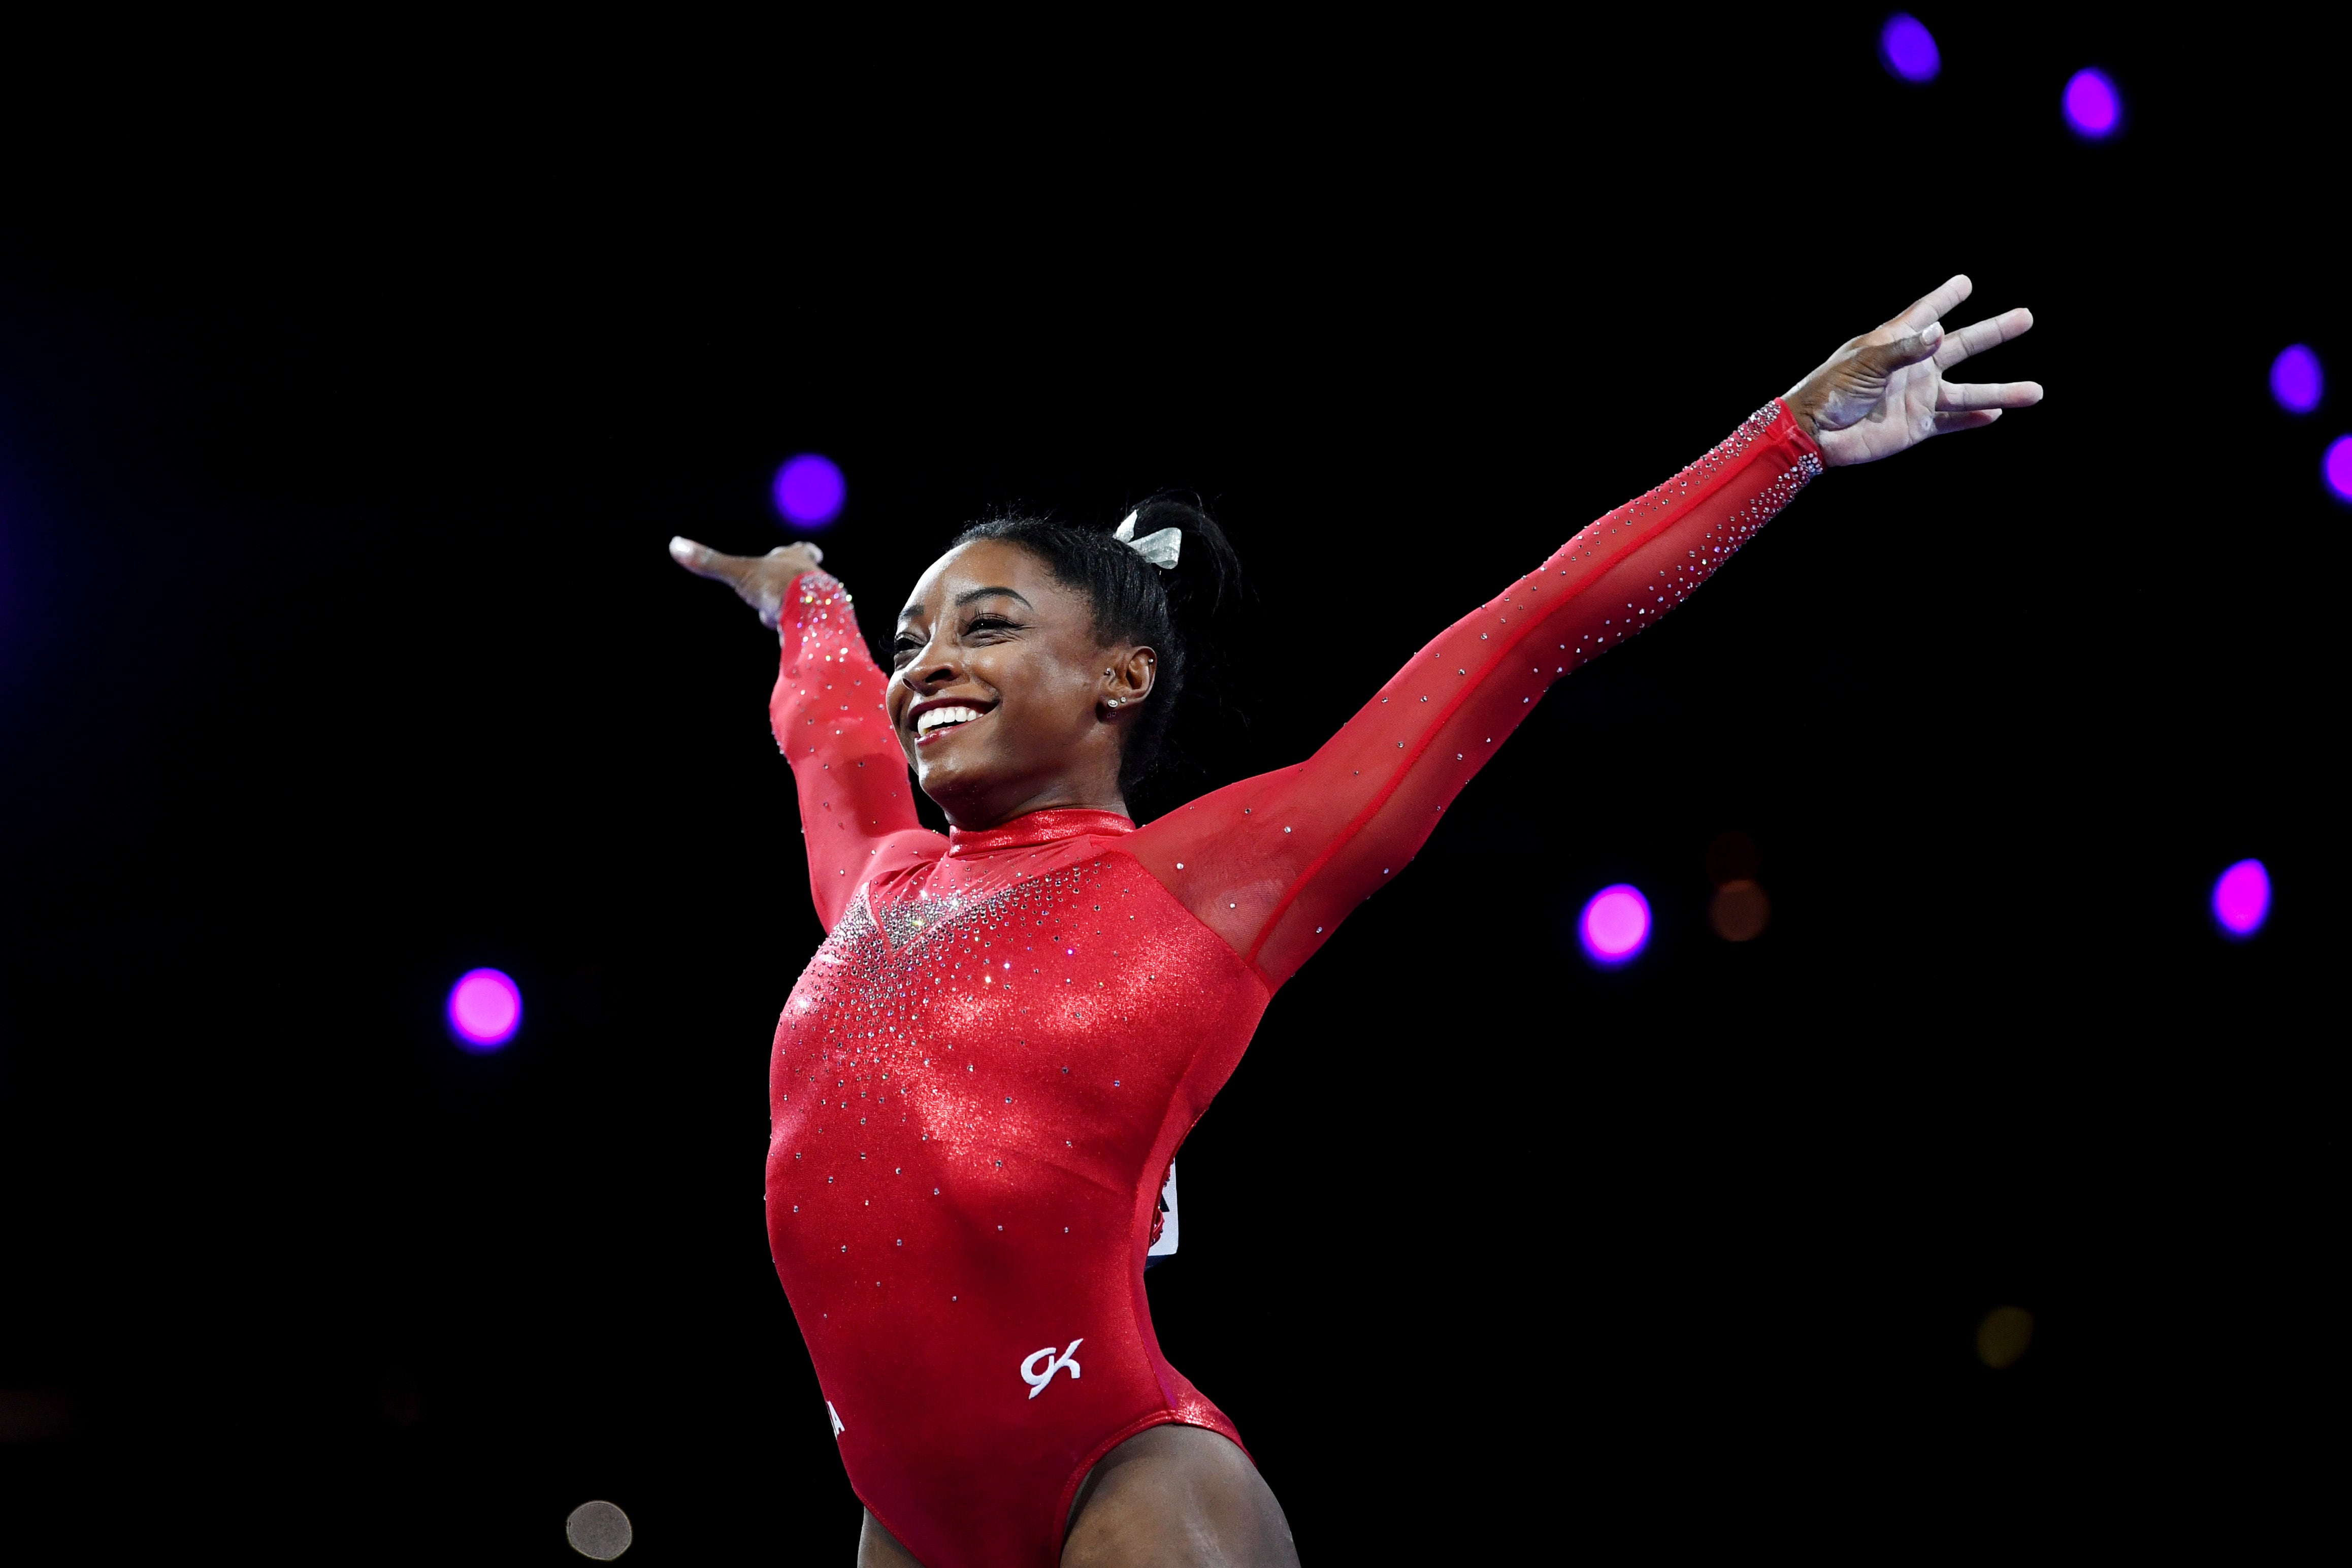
(1805, 410)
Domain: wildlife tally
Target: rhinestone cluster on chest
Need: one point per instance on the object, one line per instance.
(872, 1033)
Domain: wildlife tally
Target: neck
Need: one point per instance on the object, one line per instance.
(1061, 794)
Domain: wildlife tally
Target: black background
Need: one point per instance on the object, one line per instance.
(343, 425)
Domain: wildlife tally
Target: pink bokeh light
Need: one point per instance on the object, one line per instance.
(2241, 898)
(2336, 467)
(2094, 108)
(484, 1009)
(1615, 925)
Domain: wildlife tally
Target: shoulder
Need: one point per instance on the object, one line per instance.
(913, 849)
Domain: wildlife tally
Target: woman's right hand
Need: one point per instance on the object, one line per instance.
(759, 580)
(1884, 390)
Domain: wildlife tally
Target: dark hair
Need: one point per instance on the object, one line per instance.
(1166, 608)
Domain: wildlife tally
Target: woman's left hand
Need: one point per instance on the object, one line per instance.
(1885, 390)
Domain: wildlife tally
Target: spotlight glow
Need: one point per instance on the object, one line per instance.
(2338, 466)
(2241, 898)
(2093, 107)
(1907, 49)
(484, 1009)
(2006, 1334)
(1615, 925)
(810, 490)
(2295, 381)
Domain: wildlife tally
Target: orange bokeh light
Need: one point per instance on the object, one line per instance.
(1741, 910)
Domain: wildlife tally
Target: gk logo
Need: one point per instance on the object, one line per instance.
(1039, 1380)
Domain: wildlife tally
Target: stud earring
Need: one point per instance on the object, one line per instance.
(1114, 702)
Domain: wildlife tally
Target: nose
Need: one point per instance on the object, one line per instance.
(930, 668)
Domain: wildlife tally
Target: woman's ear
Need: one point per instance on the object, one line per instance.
(1128, 674)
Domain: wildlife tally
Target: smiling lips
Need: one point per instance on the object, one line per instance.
(932, 722)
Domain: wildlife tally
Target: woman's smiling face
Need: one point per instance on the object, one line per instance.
(999, 690)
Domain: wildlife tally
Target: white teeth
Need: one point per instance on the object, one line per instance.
(940, 718)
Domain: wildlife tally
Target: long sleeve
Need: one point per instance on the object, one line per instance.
(1275, 863)
(827, 713)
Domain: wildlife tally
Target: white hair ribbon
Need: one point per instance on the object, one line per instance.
(1161, 549)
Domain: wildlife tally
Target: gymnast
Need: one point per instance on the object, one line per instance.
(980, 1082)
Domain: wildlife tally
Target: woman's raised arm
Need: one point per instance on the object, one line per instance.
(1275, 863)
(826, 712)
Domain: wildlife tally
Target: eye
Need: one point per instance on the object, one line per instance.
(906, 647)
(985, 623)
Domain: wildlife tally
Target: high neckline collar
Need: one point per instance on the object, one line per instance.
(1038, 828)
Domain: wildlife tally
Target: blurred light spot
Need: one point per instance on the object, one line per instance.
(1615, 925)
(2296, 380)
(2092, 107)
(2005, 1334)
(484, 1009)
(598, 1530)
(810, 490)
(2241, 898)
(403, 1401)
(1907, 48)
(34, 1415)
(2338, 466)
(1740, 911)
(1731, 856)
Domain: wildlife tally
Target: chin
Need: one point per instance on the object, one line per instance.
(950, 783)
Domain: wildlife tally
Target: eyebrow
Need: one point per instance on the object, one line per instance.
(967, 596)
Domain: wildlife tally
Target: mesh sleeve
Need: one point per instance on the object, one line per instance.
(1275, 863)
(827, 713)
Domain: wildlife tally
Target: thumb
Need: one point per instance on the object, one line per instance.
(704, 562)
(1885, 358)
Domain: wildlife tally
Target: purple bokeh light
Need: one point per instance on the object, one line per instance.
(2241, 898)
(2296, 380)
(2338, 466)
(484, 1009)
(1907, 49)
(810, 490)
(2092, 106)
(1615, 925)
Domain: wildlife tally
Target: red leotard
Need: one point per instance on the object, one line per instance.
(982, 1077)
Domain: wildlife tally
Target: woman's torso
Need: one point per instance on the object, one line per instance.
(976, 1087)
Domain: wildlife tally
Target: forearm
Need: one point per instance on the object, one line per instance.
(829, 722)
(1621, 573)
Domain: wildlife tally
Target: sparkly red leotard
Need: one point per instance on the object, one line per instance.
(984, 1072)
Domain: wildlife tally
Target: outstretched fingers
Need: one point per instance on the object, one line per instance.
(1971, 419)
(1935, 304)
(1955, 395)
(1983, 335)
